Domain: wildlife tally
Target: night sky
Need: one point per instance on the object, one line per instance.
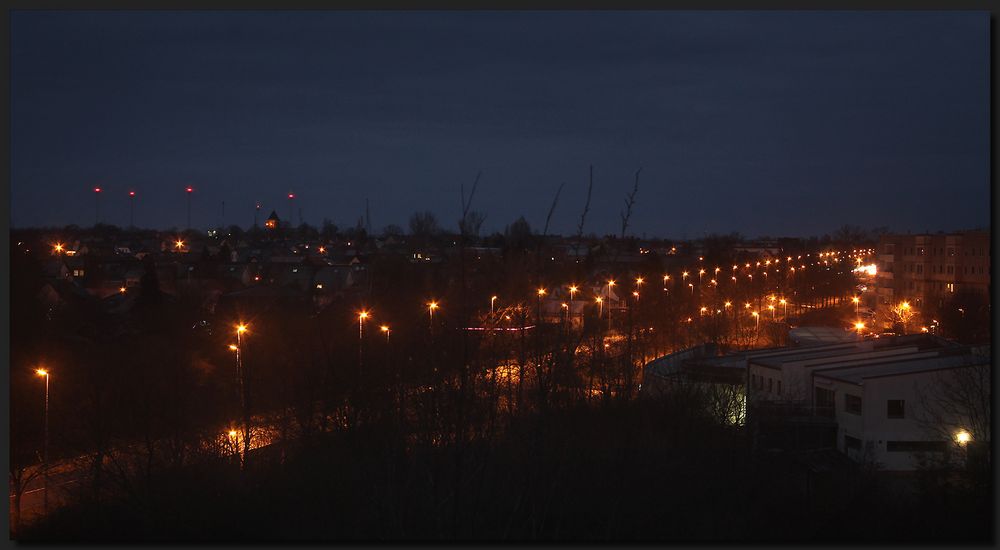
(766, 123)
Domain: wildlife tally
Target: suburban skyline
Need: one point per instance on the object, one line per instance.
(764, 123)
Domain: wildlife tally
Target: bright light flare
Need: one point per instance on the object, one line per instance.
(41, 372)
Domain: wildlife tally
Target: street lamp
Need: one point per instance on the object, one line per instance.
(771, 307)
(859, 326)
(857, 302)
(362, 315)
(600, 304)
(572, 292)
(784, 304)
(493, 299)
(241, 329)
(385, 329)
(700, 273)
(45, 448)
(58, 248)
(538, 315)
(431, 306)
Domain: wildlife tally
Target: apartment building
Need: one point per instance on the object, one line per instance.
(922, 269)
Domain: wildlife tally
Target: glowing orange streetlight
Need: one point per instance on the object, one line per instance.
(121, 289)
(58, 248)
(431, 306)
(179, 244)
(771, 307)
(493, 300)
(700, 273)
(857, 304)
(45, 449)
(859, 326)
(362, 315)
(385, 329)
(600, 303)
(784, 304)
(572, 292)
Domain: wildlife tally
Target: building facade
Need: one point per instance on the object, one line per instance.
(923, 269)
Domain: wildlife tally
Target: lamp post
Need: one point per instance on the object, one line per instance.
(784, 305)
(385, 329)
(611, 283)
(492, 301)
(538, 315)
(431, 306)
(857, 304)
(45, 445)
(600, 305)
(859, 326)
(241, 329)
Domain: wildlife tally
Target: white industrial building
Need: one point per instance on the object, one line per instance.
(890, 402)
(887, 397)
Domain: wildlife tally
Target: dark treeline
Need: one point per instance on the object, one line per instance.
(429, 430)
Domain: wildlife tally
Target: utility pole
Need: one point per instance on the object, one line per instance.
(97, 210)
(189, 190)
(131, 208)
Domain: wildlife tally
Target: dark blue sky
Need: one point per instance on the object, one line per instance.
(759, 122)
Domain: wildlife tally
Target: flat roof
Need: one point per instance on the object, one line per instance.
(812, 359)
(858, 374)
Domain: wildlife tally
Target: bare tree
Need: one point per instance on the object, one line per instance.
(629, 203)
(586, 208)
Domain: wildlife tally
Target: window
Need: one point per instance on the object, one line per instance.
(824, 397)
(770, 385)
(916, 446)
(852, 403)
(920, 268)
(951, 251)
(852, 443)
(779, 387)
(951, 270)
(895, 408)
(920, 251)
